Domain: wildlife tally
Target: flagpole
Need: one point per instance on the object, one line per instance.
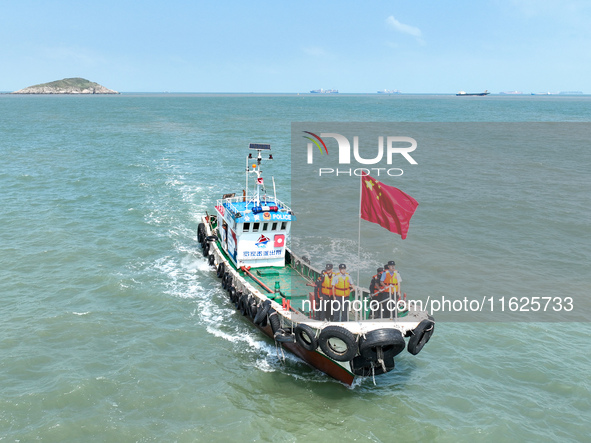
(359, 241)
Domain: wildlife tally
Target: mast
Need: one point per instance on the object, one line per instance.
(256, 169)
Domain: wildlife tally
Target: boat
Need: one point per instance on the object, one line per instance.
(466, 94)
(324, 91)
(244, 240)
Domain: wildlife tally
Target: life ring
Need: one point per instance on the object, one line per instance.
(262, 312)
(381, 344)
(211, 260)
(365, 368)
(220, 270)
(421, 335)
(338, 343)
(306, 337)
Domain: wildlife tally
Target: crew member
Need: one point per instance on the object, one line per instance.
(341, 288)
(374, 288)
(325, 293)
(390, 285)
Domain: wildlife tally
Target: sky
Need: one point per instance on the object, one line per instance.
(416, 46)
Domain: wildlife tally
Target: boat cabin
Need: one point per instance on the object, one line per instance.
(253, 228)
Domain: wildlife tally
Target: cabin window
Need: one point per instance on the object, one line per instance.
(265, 226)
(255, 227)
(274, 227)
(283, 226)
(246, 227)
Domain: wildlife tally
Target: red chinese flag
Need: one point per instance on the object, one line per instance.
(387, 206)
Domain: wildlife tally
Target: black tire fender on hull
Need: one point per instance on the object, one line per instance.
(421, 335)
(305, 337)
(262, 312)
(381, 344)
(201, 232)
(329, 343)
(366, 368)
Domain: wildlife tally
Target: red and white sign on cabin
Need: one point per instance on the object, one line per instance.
(279, 240)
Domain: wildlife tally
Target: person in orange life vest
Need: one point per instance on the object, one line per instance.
(342, 284)
(374, 287)
(390, 283)
(324, 284)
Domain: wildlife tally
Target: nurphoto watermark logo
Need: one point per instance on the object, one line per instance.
(367, 156)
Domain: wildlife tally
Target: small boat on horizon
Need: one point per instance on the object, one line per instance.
(466, 94)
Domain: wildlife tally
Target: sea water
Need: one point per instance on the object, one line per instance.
(114, 328)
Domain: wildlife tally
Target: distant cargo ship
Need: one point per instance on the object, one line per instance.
(464, 93)
(324, 91)
(389, 91)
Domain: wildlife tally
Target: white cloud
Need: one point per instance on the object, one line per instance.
(404, 29)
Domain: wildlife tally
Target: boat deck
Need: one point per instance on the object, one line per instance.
(292, 285)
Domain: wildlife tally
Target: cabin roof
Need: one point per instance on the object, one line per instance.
(250, 211)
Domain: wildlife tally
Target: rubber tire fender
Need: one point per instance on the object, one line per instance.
(232, 293)
(421, 335)
(200, 232)
(390, 340)
(262, 312)
(226, 281)
(211, 260)
(362, 367)
(221, 269)
(252, 308)
(283, 336)
(342, 334)
(274, 320)
(205, 250)
(229, 283)
(237, 298)
(243, 304)
(306, 337)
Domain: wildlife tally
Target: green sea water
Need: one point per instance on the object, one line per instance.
(114, 328)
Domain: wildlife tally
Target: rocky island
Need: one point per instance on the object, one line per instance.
(67, 86)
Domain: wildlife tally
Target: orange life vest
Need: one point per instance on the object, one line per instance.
(327, 284)
(342, 288)
(391, 279)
